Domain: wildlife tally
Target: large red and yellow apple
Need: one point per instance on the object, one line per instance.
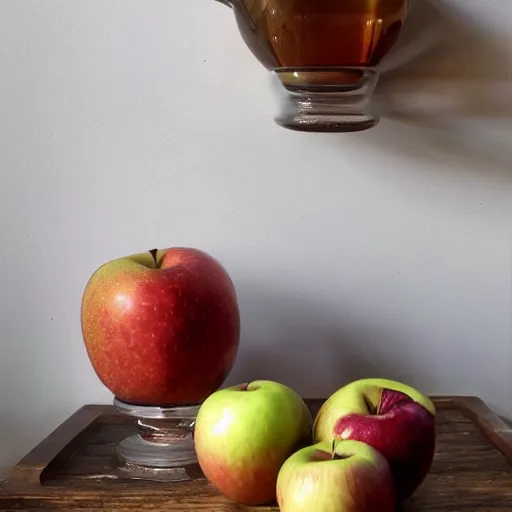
(243, 435)
(161, 327)
(393, 418)
(347, 477)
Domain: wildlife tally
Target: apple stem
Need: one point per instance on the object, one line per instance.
(154, 253)
(333, 449)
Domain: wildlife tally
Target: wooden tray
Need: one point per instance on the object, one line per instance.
(74, 468)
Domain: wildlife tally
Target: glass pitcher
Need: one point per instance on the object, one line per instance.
(322, 54)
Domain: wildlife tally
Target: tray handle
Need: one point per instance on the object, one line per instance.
(28, 470)
(492, 426)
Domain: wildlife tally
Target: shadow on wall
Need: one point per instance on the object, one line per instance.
(445, 73)
(315, 347)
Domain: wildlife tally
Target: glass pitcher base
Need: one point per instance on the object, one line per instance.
(325, 99)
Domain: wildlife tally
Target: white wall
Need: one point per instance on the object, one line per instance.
(386, 252)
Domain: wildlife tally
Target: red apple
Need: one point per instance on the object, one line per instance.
(391, 417)
(347, 477)
(162, 327)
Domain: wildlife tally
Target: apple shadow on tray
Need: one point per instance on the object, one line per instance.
(445, 74)
(313, 347)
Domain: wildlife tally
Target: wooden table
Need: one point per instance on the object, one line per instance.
(74, 469)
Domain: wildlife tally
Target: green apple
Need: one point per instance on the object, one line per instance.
(348, 476)
(392, 417)
(243, 435)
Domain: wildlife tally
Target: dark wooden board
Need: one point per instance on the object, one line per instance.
(74, 469)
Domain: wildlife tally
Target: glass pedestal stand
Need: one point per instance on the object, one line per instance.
(163, 447)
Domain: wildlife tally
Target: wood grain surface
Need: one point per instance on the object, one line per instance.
(75, 468)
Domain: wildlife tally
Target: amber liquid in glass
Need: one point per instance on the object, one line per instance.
(320, 33)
